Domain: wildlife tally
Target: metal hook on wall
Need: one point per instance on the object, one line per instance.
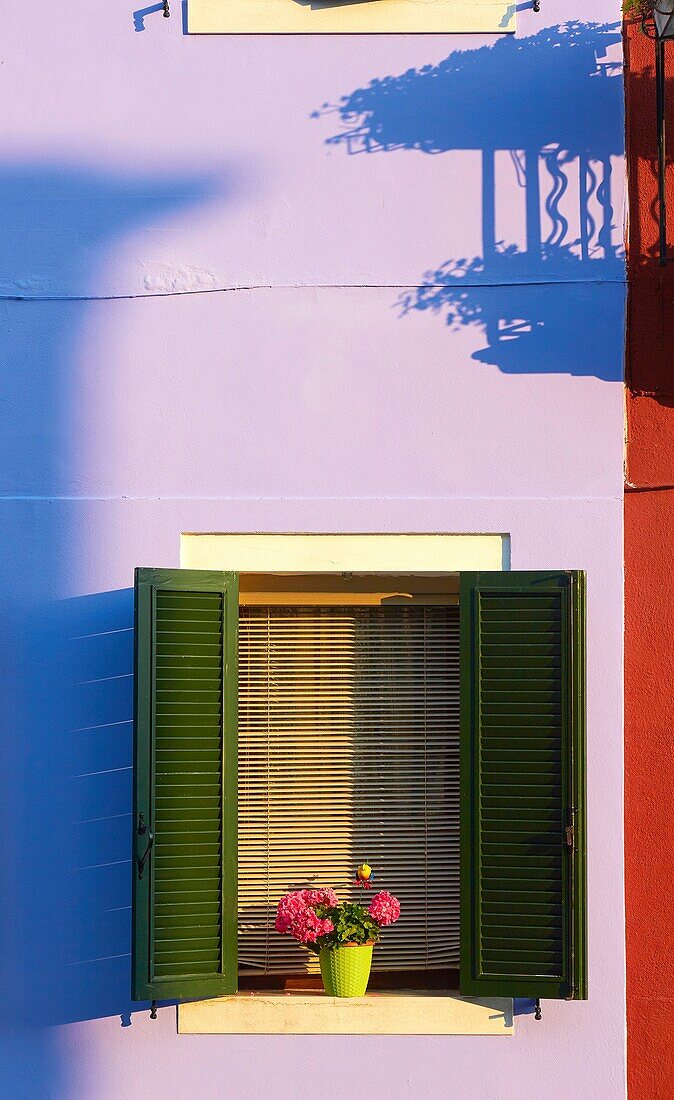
(536, 5)
(140, 16)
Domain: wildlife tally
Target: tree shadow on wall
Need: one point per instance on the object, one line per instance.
(546, 114)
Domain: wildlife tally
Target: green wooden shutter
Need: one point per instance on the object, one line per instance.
(184, 895)
(523, 785)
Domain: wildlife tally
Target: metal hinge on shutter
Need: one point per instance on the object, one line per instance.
(570, 830)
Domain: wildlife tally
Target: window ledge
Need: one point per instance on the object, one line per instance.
(421, 1013)
(396, 16)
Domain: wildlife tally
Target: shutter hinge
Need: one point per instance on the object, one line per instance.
(538, 1015)
(570, 830)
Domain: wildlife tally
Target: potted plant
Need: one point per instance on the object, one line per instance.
(342, 934)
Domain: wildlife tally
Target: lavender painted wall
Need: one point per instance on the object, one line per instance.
(215, 315)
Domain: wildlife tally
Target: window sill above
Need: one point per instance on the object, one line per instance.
(394, 17)
(423, 1013)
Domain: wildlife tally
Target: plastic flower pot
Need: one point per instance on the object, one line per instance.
(345, 970)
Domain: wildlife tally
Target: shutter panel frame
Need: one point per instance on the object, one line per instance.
(177, 983)
(476, 978)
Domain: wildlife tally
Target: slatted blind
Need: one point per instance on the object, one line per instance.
(522, 745)
(348, 750)
(185, 778)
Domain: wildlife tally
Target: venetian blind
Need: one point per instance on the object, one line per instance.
(349, 751)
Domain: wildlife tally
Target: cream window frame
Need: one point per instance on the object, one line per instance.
(428, 1013)
(430, 554)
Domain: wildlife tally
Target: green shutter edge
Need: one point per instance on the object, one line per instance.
(146, 582)
(574, 984)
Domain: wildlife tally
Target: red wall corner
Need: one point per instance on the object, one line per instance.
(649, 600)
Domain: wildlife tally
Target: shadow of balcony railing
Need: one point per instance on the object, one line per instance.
(549, 108)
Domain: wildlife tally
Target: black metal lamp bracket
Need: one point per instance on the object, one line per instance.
(662, 148)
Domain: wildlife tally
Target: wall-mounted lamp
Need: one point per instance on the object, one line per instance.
(663, 17)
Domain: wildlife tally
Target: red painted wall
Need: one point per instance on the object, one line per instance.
(649, 598)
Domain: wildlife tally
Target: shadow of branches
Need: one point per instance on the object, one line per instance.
(550, 106)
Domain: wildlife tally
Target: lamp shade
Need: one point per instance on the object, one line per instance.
(663, 15)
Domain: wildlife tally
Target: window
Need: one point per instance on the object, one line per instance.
(522, 883)
(349, 16)
(349, 751)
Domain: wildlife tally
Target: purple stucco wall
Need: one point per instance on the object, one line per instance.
(236, 234)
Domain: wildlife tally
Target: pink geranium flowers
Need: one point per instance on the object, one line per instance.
(318, 919)
(384, 908)
(320, 897)
(297, 915)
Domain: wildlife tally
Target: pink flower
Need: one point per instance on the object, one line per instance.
(295, 914)
(384, 908)
(320, 897)
(307, 927)
(289, 908)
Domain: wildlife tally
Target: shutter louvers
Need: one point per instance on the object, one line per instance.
(522, 780)
(349, 750)
(184, 926)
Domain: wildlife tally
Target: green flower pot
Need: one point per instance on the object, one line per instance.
(346, 970)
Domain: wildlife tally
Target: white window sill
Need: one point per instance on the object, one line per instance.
(421, 1013)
